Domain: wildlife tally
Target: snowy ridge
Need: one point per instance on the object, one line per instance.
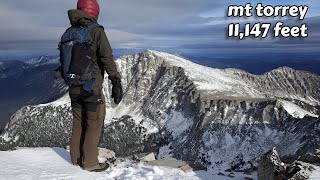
(213, 81)
(225, 119)
(295, 110)
(284, 82)
(43, 60)
(64, 100)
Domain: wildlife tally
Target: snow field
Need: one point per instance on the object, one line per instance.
(54, 164)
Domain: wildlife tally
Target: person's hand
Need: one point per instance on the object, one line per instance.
(57, 73)
(117, 92)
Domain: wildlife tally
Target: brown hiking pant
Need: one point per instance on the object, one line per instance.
(88, 118)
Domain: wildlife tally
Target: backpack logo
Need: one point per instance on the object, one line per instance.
(72, 76)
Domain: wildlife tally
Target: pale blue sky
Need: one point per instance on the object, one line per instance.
(182, 26)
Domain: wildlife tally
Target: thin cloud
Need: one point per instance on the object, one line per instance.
(172, 25)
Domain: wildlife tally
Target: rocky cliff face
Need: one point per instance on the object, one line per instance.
(225, 119)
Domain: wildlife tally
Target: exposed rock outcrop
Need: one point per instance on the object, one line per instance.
(272, 168)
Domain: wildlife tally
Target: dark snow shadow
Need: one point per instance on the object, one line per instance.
(64, 154)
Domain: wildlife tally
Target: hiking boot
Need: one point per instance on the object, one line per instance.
(97, 168)
(76, 164)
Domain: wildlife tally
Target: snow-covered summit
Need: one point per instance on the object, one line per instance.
(212, 80)
(283, 82)
(42, 60)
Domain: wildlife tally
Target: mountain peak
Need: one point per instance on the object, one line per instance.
(283, 69)
(43, 59)
(218, 83)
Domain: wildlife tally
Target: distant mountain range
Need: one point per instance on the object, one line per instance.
(27, 83)
(17, 76)
(262, 64)
(224, 118)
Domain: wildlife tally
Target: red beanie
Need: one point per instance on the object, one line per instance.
(90, 7)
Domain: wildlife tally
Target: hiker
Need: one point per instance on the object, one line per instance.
(85, 54)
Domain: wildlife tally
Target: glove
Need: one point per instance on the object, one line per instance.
(57, 73)
(117, 92)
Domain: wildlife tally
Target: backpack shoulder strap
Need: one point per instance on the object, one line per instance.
(95, 25)
(67, 35)
(90, 28)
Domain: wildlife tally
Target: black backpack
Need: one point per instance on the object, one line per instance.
(76, 56)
